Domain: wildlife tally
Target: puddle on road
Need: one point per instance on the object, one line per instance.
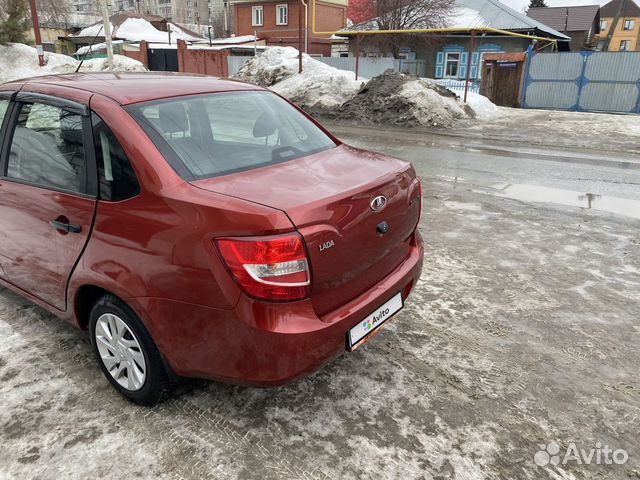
(534, 193)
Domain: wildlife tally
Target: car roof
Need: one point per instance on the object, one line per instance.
(128, 88)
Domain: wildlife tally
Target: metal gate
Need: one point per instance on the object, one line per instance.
(163, 60)
(584, 81)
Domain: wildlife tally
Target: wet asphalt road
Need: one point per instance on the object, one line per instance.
(487, 163)
(521, 337)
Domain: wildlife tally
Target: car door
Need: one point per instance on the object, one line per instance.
(47, 193)
(5, 103)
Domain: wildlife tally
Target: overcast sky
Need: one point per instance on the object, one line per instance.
(520, 5)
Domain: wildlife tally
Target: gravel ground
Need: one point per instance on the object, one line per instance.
(523, 331)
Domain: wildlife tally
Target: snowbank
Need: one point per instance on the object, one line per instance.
(120, 64)
(401, 100)
(483, 108)
(391, 98)
(21, 61)
(318, 89)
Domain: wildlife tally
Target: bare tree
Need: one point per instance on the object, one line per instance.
(406, 15)
(217, 24)
(54, 13)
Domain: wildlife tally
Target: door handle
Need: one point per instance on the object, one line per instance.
(65, 226)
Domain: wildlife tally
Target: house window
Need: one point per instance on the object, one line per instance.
(629, 24)
(603, 25)
(256, 16)
(282, 14)
(625, 45)
(451, 65)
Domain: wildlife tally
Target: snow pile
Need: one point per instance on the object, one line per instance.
(483, 108)
(389, 99)
(21, 61)
(120, 64)
(318, 89)
(397, 99)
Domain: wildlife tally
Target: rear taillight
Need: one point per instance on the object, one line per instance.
(269, 268)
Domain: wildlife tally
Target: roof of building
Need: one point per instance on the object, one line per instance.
(136, 27)
(233, 40)
(478, 14)
(128, 88)
(567, 19)
(629, 9)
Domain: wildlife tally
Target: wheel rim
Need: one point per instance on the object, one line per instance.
(120, 352)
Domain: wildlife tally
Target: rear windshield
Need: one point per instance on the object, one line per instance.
(209, 135)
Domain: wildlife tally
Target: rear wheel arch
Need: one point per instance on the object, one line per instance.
(137, 358)
(85, 298)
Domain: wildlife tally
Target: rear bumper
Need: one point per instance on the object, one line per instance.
(260, 343)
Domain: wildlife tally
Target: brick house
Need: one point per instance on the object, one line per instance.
(625, 36)
(276, 22)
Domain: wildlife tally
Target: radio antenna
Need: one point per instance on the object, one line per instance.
(89, 49)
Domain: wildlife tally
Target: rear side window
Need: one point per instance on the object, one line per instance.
(47, 148)
(117, 178)
(221, 133)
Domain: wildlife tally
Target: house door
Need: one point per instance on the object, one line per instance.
(506, 84)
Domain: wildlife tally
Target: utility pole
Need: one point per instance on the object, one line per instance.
(226, 20)
(36, 32)
(107, 32)
(300, 39)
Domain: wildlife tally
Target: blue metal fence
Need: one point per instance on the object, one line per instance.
(584, 81)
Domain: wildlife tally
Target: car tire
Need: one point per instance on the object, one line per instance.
(126, 353)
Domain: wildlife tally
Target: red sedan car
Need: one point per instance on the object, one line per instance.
(199, 227)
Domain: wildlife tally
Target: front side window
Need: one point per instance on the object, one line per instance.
(451, 65)
(625, 45)
(117, 178)
(256, 16)
(47, 148)
(282, 15)
(4, 105)
(221, 133)
(629, 24)
(603, 26)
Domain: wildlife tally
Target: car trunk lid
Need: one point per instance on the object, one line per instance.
(329, 197)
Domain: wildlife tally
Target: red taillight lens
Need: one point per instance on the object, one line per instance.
(269, 268)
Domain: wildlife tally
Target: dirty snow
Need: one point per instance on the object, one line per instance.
(495, 353)
(21, 61)
(568, 130)
(318, 88)
(324, 90)
(395, 99)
